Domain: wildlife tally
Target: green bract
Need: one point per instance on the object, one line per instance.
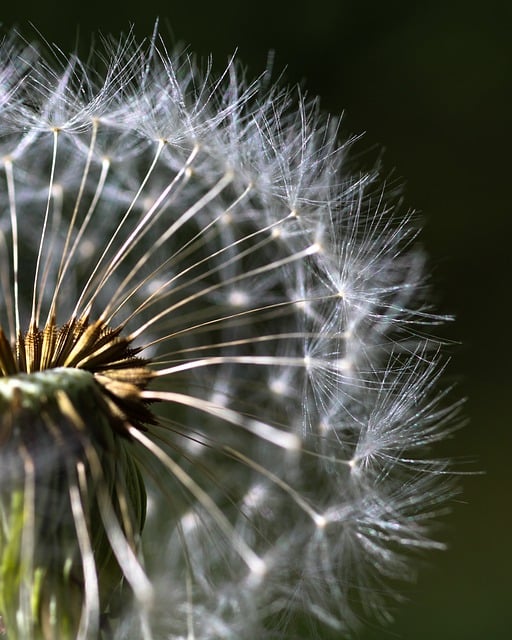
(65, 473)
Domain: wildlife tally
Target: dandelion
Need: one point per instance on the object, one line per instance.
(218, 386)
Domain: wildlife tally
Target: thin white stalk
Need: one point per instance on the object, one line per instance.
(283, 439)
(65, 258)
(88, 284)
(311, 250)
(89, 621)
(164, 289)
(15, 247)
(246, 315)
(276, 337)
(34, 319)
(92, 208)
(147, 221)
(249, 360)
(56, 219)
(5, 271)
(180, 253)
(251, 559)
(185, 217)
(317, 518)
(121, 548)
(79, 196)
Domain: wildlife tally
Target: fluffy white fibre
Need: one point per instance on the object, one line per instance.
(280, 297)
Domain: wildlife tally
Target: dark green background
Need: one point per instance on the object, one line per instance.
(432, 83)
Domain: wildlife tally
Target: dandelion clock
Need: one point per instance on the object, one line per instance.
(218, 382)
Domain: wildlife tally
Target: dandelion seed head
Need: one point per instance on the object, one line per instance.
(215, 386)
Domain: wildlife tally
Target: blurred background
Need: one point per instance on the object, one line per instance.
(430, 82)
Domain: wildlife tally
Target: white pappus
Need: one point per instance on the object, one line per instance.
(218, 383)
